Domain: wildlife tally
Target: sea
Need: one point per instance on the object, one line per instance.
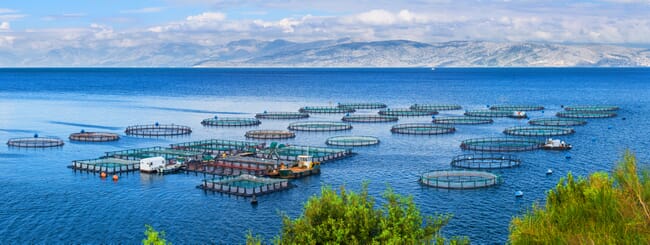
(44, 201)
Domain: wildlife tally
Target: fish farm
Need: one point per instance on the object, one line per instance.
(557, 122)
(586, 114)
(106, 165)
(435, 107)
(245, 185)
(281, 115)
(421, 129)
(94, 136)
(494, 113)
(459, 179)
(591, 108)
(538, 131)
(485, 161)
(231, 121)
(326, 109)
(352, 140)
(233, 166)
(167, 153)
(362, 106)
(291, 153)
(270, 134)
(517, 107)
(406, 112)
(319, 126)
(35, 142)
(156, 130)
(462, 120)
(501, 144)
(216, 146)
(369, 118)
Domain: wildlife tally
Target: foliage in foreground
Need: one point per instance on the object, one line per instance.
(153, 237)
(595, 210)
(351, 218)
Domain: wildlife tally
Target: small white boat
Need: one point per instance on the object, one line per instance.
(555, 144)
(549, 172)
(519, 193)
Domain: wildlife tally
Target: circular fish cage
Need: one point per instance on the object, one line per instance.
(435, 107)
(517, 107)
(270, 134)
(557, 122)
(591, 108)
(352, 140)
(538, 131)
(319, 126)
(369, 118)
(495, 113)
(406, 112)
(326, 109)
(362, 106)
(485, 161)
(459, 179)
(158, 130)
(501, 144)
(421, 128)
(35, 142)
(231, 121)
(94, 136)
(462, 120)
(586, 114)
(281, 115)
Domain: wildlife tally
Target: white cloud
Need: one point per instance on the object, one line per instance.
(207, 17)
(4, 26)
(143, 10)
(6, 10)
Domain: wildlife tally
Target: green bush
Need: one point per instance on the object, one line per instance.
(153, 237)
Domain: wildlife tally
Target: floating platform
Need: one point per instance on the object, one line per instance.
(245, 185)
(462, 120)
(326, 109)
(538, 131)
(422, 129)
(586, 114)
(369, 118)
(234, 165)
(35, 142)
(217, 146)
(494, 113)
(485, 161)
(291, 153)
(270, 134)
(517, 107)
(167, 153)
(459, 179)
(106, 165)
(281, 115)
(158, 130)
(592, 108)
(501, 144)
(319, 126)
(94, 136)
(557, 122)
(406, 112)
(435, 107)
(352, 141)
(362, 105)
(231, 121)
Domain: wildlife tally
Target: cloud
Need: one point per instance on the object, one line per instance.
(6, 11)
(63, 16)
(147, 10)
(4, 26)
(207, 17)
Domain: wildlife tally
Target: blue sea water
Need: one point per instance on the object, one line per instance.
(43, 201)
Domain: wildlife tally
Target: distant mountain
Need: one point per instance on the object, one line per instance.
(341, 53)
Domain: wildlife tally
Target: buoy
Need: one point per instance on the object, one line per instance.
(609, 127)
(102, 175)
(562, 106)
(567, 156)
(549, 172)
(35, 135)
(519, 193)
(623, 118)
(347, 114)
(157, 124)
(265, 112)
(83, 131)
(433, 117)
(115, 177)
(488, 106)
(254, 200)
(216, 117)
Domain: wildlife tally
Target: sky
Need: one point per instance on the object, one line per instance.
(51, 24)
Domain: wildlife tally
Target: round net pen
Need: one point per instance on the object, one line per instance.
(591, 108)
(435, 107)
(326, 109)
(281, 115)
(362, 106)
(501, 144)
(517, 107)
(485, 161)
(421, 128)
(535, 131)
(352, 140)
(94, 136)
(369, 118)
(557, 122)
(231, 121)
(585, 114)
(494, 113)
(158, 130)
(406, 112)
(35, 142)
(319, 126)
(459, 179)
(462, 120)
(270, 134)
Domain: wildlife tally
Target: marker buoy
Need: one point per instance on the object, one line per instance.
(102, 175)
(115, 177)
(519, 193)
